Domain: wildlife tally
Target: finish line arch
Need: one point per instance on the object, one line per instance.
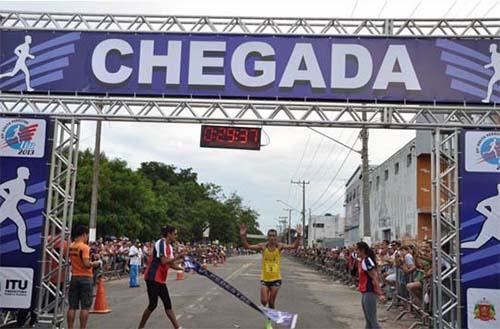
(444, 104)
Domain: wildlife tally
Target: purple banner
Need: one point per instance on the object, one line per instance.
(480, 229)
(248, 66)
(25, 153)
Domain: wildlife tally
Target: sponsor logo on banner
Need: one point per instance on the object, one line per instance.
(16, 285)
(22, 138)
(481, 308)
(482, 151)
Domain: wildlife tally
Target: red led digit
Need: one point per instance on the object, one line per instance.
(244, 136)
(221, 133)
(231, 133)
(207, 134)
(213, 134)
(255, 136)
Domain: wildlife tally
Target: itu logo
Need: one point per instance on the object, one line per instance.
(489, 149)
(18, 135)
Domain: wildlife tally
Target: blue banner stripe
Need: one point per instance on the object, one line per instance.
(29, 207)
(458, 48)
(51, 66)
(36, 188)
(463, 62)
(481, 254)
(471, 90)
(456, 72)
(33, 241)
(55, 76)
(482, 273)
(470, 222)
(31, 223)
(66, 38)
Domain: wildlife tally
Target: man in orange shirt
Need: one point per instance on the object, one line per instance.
(80, 288)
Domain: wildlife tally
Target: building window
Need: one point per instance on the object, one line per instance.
(319, 225)
(386, 174)
(377, 183)
(396, 168)
(408, 160)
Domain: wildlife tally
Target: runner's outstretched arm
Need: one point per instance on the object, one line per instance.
(244, 242)
(295, 244)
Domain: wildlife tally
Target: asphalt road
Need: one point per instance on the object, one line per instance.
(199, 303)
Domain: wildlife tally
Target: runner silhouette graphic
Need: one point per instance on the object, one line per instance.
(12, 192)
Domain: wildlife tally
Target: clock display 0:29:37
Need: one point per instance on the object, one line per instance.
(230, 137)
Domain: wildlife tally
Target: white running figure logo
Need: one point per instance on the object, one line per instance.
(8, 209)
(23, 53)
(490, 208)
(495, 64)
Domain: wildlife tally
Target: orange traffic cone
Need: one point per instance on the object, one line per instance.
(180, 275)
(100, 304)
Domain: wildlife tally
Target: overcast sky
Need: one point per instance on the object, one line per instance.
(261, 177)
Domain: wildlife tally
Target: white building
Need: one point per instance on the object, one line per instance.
(399, 196)
(325, 228)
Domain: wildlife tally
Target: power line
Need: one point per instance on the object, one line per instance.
(300, 163)
(350, 140)
(322, 165)
(415, 9)
(354, 8)
(334, 177)
(382, 9)
(449, 9)
(474, 8)
(313, 157)
(489, 10)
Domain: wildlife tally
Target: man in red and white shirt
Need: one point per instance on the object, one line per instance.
(159, 262)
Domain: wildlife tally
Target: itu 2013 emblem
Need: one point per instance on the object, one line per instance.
(22, 137)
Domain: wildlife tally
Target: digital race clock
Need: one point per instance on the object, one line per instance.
(230, 137)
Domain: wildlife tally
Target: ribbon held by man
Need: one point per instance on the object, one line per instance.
(282, 318)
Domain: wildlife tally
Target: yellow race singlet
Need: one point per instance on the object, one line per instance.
(270, 265)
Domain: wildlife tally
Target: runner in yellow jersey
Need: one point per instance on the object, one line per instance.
(270, 277)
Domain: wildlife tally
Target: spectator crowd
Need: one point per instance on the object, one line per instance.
(404, 268)
(117, 254)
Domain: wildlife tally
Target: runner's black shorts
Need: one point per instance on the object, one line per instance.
(156, 290)
(271, 284)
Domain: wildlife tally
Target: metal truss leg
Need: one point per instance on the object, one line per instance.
(58, 221)
(445, 230)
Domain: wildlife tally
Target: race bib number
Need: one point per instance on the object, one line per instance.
(271, 268)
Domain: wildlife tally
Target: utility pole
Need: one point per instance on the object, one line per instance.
(365, 183)
(289, 239)
(283, 221)
(303, 183)
(95, 183)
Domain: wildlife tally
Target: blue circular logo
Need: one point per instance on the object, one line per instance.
(490, 150)
(13, 137)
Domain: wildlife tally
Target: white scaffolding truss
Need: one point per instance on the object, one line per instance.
(252, 112)
(69, 110)
(442, 27)
(445, 230)
(58, 222)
